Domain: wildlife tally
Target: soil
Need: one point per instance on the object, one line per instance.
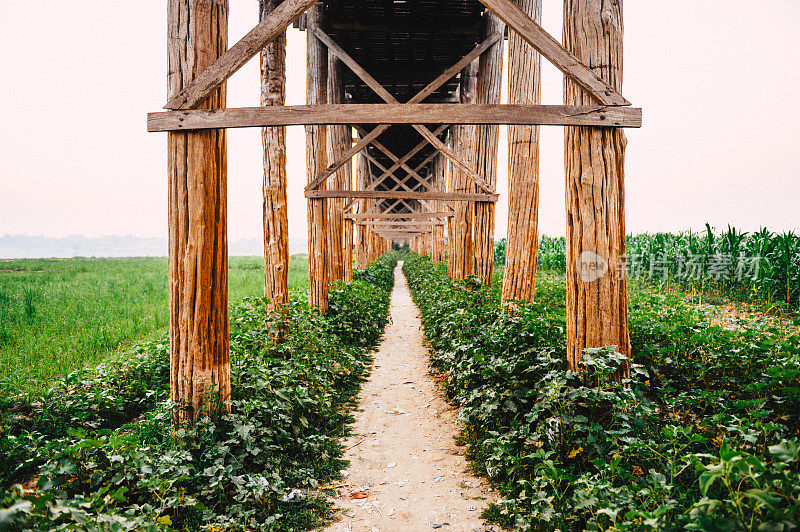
(406, 472)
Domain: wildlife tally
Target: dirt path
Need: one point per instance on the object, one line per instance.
(402, 454)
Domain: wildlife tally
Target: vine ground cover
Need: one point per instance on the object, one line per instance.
(99, 451)
(704, 436)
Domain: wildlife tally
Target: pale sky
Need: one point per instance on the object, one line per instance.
(717, 81)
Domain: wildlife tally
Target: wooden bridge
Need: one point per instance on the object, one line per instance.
(410, 91)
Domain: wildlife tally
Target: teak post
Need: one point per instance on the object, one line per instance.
(490, 75)
(338, 144)
(463, 142)
(440, 173)
(198, 248)
(597, 306)
(276, 222)
(316, 162)
(524, 87)
(362, 236)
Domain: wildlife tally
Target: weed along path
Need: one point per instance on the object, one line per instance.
(406, 473)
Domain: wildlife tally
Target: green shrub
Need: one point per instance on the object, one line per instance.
(108, 457)
(702, 437)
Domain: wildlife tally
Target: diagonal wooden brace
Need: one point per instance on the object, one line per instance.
(421, 95)
(554, 51)
(240, 53)
(389, 98)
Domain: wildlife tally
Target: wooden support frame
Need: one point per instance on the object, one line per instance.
(398, 113)
(590, 58)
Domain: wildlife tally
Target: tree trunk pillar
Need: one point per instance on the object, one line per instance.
(276, 222)
(463, 142)
(198, 247)
(337, 145)
(362, 236)
(597, 304)
(316, 162)
(490, 76)
(524, 87)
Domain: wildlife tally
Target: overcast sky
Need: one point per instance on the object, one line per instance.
(717, 79)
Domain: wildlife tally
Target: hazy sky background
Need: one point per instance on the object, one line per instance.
(717, 81)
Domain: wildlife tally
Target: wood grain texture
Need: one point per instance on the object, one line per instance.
(597, 306)
(276, 220)
(316, 162)
(574, 66)
(362, 238)
(339, 140)
(524, 87)
(198, 250)
(440, 233)
(431, 113)
(462, 140)
(214, 74)
(489, 85)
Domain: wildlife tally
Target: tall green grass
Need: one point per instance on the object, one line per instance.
(58, 315)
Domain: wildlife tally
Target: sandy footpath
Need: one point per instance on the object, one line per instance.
(403, 459)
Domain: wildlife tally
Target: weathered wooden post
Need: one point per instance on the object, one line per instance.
(338, 144)
(463, 141)
(276, 222)
(490, 74)
(198, 247)
(597, 303)
(524, 87)
(362, 236)
(316, 162)
(440, 176)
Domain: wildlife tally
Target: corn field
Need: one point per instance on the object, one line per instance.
(761, 267)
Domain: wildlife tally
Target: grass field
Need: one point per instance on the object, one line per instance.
(57, 315)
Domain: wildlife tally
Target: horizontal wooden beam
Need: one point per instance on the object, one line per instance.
(400, 234)
(399, 194)
(400, 223)
(554, 51)
(240, 53)
(401, 113)
(399, 215)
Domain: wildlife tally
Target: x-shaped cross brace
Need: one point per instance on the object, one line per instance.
(420, 96)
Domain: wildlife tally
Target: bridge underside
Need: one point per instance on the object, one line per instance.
(404, 46)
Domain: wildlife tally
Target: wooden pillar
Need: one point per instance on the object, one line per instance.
(276, 222)
(524, 87)
(490, 75)
(362, 235)
(348, 250)
(338, 144)
(439, 170)
(463, 142)
(316, 162)
(597, 304)
(198, 247)
(372, 243)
